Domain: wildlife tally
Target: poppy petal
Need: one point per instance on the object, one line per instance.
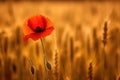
(48, 23)
(36, 21)
(26, 29)
(36, 36)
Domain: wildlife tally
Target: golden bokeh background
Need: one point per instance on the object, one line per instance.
(85, 44)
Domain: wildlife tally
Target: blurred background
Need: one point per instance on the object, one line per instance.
(85, 44)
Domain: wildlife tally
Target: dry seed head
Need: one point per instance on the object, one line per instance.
(105, 33)
(90, 71)
(56, 60)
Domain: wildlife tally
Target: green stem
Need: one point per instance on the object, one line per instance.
(45, 59)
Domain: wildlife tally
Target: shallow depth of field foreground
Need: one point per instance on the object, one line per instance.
(85, 44)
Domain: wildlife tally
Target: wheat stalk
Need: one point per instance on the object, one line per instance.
(105, 33)
(90, 71)
(5, 49)
(104, 43)
(71, 49)
(56, 66)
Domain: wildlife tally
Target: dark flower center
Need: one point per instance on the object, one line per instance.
(38, 29)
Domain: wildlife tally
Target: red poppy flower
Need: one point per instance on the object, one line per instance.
(37, 27)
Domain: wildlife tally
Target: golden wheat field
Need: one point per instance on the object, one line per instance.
(85, 44)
